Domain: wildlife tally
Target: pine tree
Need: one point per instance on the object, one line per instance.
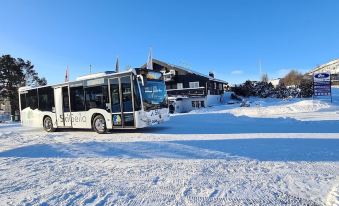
(306, 87)
(15, 73)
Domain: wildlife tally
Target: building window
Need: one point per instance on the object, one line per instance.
(179, 86)
(220, 86)
(202, 103)
(194, 84)
(197, 104)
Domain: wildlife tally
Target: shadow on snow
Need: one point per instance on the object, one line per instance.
(229, 124)
(269, 149)
(214, 123)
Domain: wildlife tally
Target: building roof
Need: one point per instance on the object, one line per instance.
(168, 65)
(332, 66)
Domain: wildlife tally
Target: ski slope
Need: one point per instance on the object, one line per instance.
(273, 153)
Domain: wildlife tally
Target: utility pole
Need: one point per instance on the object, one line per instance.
(90, 69)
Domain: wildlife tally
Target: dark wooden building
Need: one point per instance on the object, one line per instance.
(200, 88)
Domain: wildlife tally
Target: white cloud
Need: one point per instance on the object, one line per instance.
(237, 72)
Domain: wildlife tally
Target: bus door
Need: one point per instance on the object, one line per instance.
(62, 106)
(122, 102)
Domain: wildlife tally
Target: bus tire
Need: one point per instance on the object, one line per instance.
(99, 124)
(48, 124)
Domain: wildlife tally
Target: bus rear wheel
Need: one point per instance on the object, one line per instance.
(48, 124)
(99, 124)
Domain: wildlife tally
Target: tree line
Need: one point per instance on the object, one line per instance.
(15, 73)
(293, 84)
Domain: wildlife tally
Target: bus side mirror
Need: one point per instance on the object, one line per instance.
(141, 79)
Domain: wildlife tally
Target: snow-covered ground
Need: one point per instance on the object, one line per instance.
(273, 153)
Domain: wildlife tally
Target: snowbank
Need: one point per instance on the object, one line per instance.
(299, 109)
(280, 110)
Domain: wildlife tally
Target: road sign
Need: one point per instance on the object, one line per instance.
(322, 84)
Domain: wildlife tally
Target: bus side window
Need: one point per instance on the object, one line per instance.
(23, 101)
(32, 99)
(137, 103)
(77, 99)
(46, 98)
(105, 97)
(115, 95)
(126, 94)
(96, 97)
(65, 99)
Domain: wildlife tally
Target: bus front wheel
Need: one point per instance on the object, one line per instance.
(99, 124)
(48, 124)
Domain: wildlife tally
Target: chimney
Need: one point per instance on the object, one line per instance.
(211, 74)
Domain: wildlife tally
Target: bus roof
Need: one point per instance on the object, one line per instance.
(105, 74)
(95, 75)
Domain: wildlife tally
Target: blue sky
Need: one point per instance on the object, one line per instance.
(227, 37)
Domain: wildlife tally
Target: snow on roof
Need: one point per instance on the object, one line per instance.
(188, 70)
(327, 67)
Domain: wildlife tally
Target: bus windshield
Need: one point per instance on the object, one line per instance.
(154, 95)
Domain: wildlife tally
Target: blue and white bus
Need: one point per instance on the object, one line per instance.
(104, 101)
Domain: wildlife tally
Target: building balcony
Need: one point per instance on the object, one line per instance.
(199, 91)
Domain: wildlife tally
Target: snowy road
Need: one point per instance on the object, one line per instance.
(206, 158)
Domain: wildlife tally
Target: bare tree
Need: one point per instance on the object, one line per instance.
(264, 78)
(293, 78)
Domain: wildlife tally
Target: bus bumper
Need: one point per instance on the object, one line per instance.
(145, 119)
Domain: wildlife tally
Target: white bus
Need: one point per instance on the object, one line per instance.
(133, 99)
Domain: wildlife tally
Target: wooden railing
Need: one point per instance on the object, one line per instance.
(200, 91)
